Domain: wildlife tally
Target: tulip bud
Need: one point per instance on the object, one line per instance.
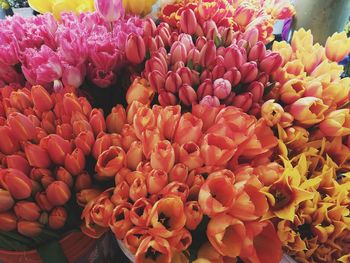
(17, 183)
(222, 88)
(71, 104)
(97, 121)
(149, 27)
(43, 202)
(20, 100)
(172, 82)
(187, 95)
(134, 155)
(205, 89)
(110, 162)
(337, 46)
(81, 126)
(18, 162)
(227, 36)
(58, 148)
(21, 126)
(156, 180)
(116, 119)
(162, 156)
(178, 52)
(8, 221)
(102, 143)
(28, 228)
(178, 173)
(249, 72)
(188, 21)
(27, 210)
(83, 181)
(257, 52)
(58, 193)
(140, 91)
(188, 129)
(46, 180)
(85, 105)
(257, 90)
(8, 143)
(233, 57)
(110, 10)
(85, 141)
(208, 54)
(64, 176)
(190, 155)
(271, 63)
(200, 42)
(135, 48)
(87, 195)
(218, 71)
(194, 215)
(128, 136)
(164, 34)
(156, 80)
(65, 131)
(206, 74)
(75, 162)
(233, 76)
(185, 75)
(167, 98)
(58, 218)
(193, 57)
(6, 201)
(336, 123)
(138, 189)
(243, 101)
(144, 120)
(41, 99)
(314, 89)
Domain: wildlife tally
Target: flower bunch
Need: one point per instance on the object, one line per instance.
(242, 16)
(172, 170)
(222, 68)
(45, 52)
(45, 141)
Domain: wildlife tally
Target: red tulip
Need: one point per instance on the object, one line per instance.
(149, 27)
(162, 156)
(27, 210)
(17, 183)
(249, 72)
(233, 57)
(8, 221)
(188, 21)
(71, 104)
(97, 121)
(6, 201)
(178, 173)
(21, 126)
(85, 141)
(178, 52)
(43, 202)
(18, 162)
(58, 218)
(102, 143)
(83, 181)
(110, 162)
(20, 100)
(8, 143)
(58, 193)
(41, 99)
(28, 228)
(167, 98)
(65, 130)
(205, 89)
(58, 148)
(64, 176)
(135, 48)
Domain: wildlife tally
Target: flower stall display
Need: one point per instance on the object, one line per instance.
(186, 138)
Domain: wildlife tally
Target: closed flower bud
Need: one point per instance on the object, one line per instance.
(20, 100)
(58, 148)
(157, 80)
(243, 101)
(102, 143)
(249, 72)
(6, 201)
(43, 202)
(75, 162)
(233, 57)
(41, 99)
(337, 47)
(17, 183)
(71, 104)
(187, 95)
(167, 98)
(208, 54)
(116, 119)
(128, 136)
(185, 75)
(83, 181)
(144, 119)
(64, 176)
(140, 91)
(8, 143)
(85, 141)
(190, 155)
(178, 173)
(222, 88)
(336, 123)
(188, 129)
(58, 193)
(194, 215)
(271, 112)
(8, 221)
(138, 189)
(188, 21)
(81, 126)
(58, 218)
(28, 228)
(110, 162)
(21, 126)
(135, 48)
(233, 75)
(218, 71)
(97, 121)
(27, 210)
(205, 89)
(46, 180)
(65, 131)
(178, 52)
(257, 52)
(134, 155)
(271, 63)
(18, 162)
(156, 180)
(167, 121)
(173, 82)
(162, 156)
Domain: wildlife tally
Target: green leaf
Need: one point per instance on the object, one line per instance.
(269, 88)
(190, 64)
(217, 41)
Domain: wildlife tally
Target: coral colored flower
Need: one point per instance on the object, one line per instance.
(58, 148)
(189, 129)
(135, 48)
(167, 217)
(178, 173)
(23, 129)
(17, 183)
(75, 162)
(6, 201)
(156, 180)
(162, 156)
(140, 91)
(216, 195)
(226, 234)
(8, 221)
(271, 112)
(302, 39)
(27, 210)
(58, 193)
(207, 253)
(140, 212)
(138, 189)
(58, 218)
(337, 46)
(110, 162)
(116, 119)
(336, 123)
(181, 241)
(308, 110)
(194, 215)
(29, 228)
(167, 121)
(134, 237)
(190, 155)
(120, 222)
(144, 119)
(176, 189)
(153, 248)
(9, 144)
(292, 90)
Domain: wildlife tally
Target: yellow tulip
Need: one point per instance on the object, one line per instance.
(41, 6)
(302, 40)
(284, 49)
(337, 47)
(344, 259)
(311, 57)
(138, 7)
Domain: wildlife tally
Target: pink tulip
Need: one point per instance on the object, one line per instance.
(150, 43)
(110, 10)
(243, 101)
(218, 71)
(193, 57)
(173, 82)
(257, 52)
(208, 54)
(222, 88)
(167, 98)
(185, 75)
(187, 95)
(102, 78)
(233, 57)
(135, 48)
(249, 72)
(149, 27)
(73, 76)
(178, 52)
(257, 90)
(205, 89)
(271, 63)
(233, 75)
(243, 15)
(188, 21)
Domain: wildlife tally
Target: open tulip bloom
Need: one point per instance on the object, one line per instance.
(186, 138)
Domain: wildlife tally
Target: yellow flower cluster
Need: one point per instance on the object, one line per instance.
(4, 5)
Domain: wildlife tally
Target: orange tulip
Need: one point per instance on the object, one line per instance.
(85, 141)
(138, 189)
(20, 100)
(21, 126)
(58, 193)
(48, 122)
(120, 222)
(206, 113)
(163, 156)
(58, 218)
(134, 155)
(75, 162)
(153, 249)
(167, 120)
(8, 221)
(18, 162)
(128, 136)
(272, 112)
(216, 195)
(141, 91)
(87, 195)
(99, 211)
(336, 123)
(217, 150)
(144, 167)
(41, 99)
(130, 177)
(190, 155)
(27, 210)
(167, 217)
(71, 104)
(176, 189)
(295, 137)
(17, 183)
(263, 244)
(80, 126)
(134, 237)
(116, 119)
(6, 201)
(43, 202)
(178, 173)
(82, 181)
(194, 215)
(132, 110)
(269, 173)
(110, 162)
(207, 253)
(140, 212)
(181, 241)
(64, 176)
(156, 180)
(149, 139)
(144, 119)
(308, 110)
(58, 148)
(226, 234)
(8, 144)
(292, 90)
(28, 228)
(189, 129)
(97, 121)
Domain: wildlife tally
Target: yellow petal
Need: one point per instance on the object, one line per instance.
(41, 6)
(287, 213)
(63, 6)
